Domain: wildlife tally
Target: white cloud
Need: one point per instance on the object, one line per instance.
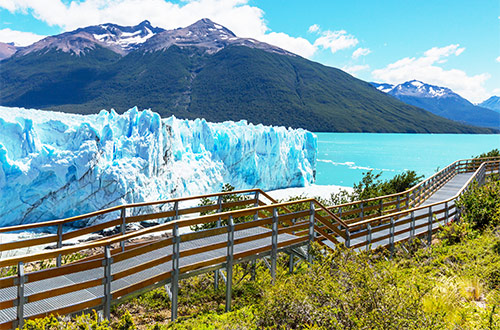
(426, 68)
(355, 68)
(237, 15)
(299, 45)
(360, 52)
(19, 38)
(336, 40)
(313, 28)
(498, 59)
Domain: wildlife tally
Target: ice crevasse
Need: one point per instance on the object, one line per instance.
(55, 165)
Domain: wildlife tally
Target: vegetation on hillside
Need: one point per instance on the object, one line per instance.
(233, 84)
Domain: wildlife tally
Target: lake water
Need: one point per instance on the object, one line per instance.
(343, 157)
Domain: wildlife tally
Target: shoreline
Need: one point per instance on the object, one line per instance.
(314, 190)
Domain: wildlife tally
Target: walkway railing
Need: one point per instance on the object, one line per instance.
(423, 220)
(375, 207)
(274, 220)
(283, 227)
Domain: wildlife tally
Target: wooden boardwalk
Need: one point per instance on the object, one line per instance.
(261, 227)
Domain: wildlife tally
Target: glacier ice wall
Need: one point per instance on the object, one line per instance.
(55, 165)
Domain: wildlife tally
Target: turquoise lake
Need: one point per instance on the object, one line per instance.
(343, 157)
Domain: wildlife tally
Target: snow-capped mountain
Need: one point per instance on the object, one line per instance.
(119, 39)
(417, 89)
(493, 103)
(126, 37)
(201, 71)
(441, 101)
(208, 35)
(203, 34)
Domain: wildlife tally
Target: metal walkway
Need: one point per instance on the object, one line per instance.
(448, 190)
(259, 227)
(54, 303)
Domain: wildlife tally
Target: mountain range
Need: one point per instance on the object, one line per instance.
(443, 102)
(201, 71)
(493, 103)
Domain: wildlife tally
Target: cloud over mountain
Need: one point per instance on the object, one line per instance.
(428, 68)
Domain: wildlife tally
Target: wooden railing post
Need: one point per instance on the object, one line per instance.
(381, 206)
(311, 231)
(218, 224)
(412, 225)
(229, 262)
(446, 213)
(361, 215)
(274, 242)
(20, 294)
(176, 210)
(175, 271)
(107, 282)
(59, 243)
(347, 238)
(398, 202)
(219, 209)
(368, 236)
(123, 226)
(407, 200)
(429, 226)
(391, 235)
(256, 215)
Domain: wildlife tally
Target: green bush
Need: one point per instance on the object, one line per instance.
(81, 322)
(481, 206)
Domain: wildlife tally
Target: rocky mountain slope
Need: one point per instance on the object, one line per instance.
(441, 101)
(205, 71)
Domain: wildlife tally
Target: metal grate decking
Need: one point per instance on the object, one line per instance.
(47, 305)
(448, 190)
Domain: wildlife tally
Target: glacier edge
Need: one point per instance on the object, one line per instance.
(55, 165)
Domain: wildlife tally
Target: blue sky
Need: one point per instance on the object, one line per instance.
(447, 43)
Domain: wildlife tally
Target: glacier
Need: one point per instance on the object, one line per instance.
(55, 165)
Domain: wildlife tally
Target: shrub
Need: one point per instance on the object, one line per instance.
(456, 232)
(481, 206)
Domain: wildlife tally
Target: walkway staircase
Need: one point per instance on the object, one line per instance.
(122, 266)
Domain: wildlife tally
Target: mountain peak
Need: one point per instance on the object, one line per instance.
(442, 101)
(203, 34)
(416, 88)
(208, 35)
(493, 103)
(205, 27)
(145, 23)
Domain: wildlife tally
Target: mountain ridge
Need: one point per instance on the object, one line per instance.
(493, 103)
(202, 72)
(441, 101)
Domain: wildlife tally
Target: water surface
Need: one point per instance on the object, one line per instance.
(343, 157)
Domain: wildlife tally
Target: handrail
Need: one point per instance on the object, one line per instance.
(306, 225)
(395, 214)
(411, 190)
(57, 222)
(329, 212)
(11, 261)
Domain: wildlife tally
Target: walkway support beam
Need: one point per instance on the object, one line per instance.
(175, 271)
(229, 262)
